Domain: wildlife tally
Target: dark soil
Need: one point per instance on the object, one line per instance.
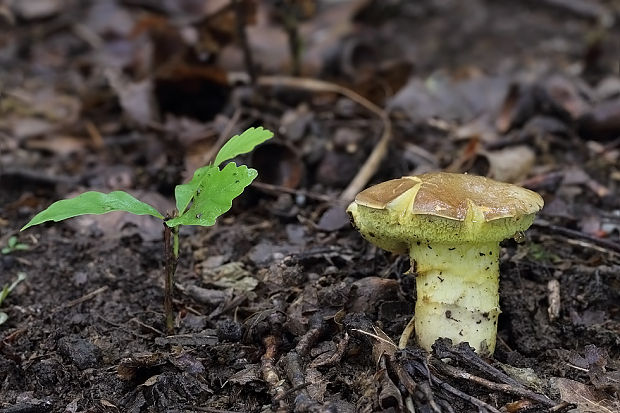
(278, 306)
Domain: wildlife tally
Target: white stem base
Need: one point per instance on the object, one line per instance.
(458, 297)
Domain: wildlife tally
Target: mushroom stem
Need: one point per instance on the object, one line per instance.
(457, 287)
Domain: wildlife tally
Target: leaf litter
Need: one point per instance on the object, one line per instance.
(283, 306)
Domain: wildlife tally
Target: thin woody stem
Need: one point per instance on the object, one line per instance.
(171, 255)
(243, 37)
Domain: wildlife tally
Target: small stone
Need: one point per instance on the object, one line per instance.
(81, 352)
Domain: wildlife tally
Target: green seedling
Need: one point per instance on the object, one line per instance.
(201, 201)
(6, 290)
(13, 245)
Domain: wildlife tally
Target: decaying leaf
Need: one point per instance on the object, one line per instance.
(231, 275)
(526, 376)
(249, 374)
(587, 398)
(510, 164)
(136, 98)
(318, 384)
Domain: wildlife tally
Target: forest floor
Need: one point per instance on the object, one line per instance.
(282, 305)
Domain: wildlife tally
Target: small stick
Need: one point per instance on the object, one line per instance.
(554, 229)
(243, 38)
(171, 255)
(296, 375)
(148, 327)
(503, 343)
(561, 406)
(473, 400)
(81, 299)
(467, 355)
(404, 337)
(376, 337)
(294, 370)
(295, 389)
(553, 288)
(505, 388)
(125, 329)
(476, 402)
(270, 374)
(291, 26)
(310, 338)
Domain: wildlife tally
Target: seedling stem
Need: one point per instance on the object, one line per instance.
(171, 256)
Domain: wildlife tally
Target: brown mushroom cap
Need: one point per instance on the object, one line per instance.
(442, 207)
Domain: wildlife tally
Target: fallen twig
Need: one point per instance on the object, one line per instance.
(376, 337)
(148, 327)
(270, 373)
(296, 375)
(404, 337)
(464, 353)
(561, 406)
(81, 299)
(603, 243)
(125, 329)
(309, 339)
(505, 388)
(422, 369)
(243, 37)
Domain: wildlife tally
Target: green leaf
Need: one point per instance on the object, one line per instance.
(214, 194)
(237, 145)
(4, 293)
(12, 241)
(93, 203)
(6, 290)
(184, 193)
(240, 144)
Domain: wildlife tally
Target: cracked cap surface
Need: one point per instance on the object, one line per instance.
(444, 207)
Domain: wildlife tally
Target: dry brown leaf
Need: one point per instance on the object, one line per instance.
(230, 275)
(318, 384)
(62, 145)
(587, 398)
(369, 291)
(136, 98)
(510, 164)
(249, 374)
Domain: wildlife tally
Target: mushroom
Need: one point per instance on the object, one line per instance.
(451, 226)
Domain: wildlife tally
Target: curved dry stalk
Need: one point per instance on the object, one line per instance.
(370, 166)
